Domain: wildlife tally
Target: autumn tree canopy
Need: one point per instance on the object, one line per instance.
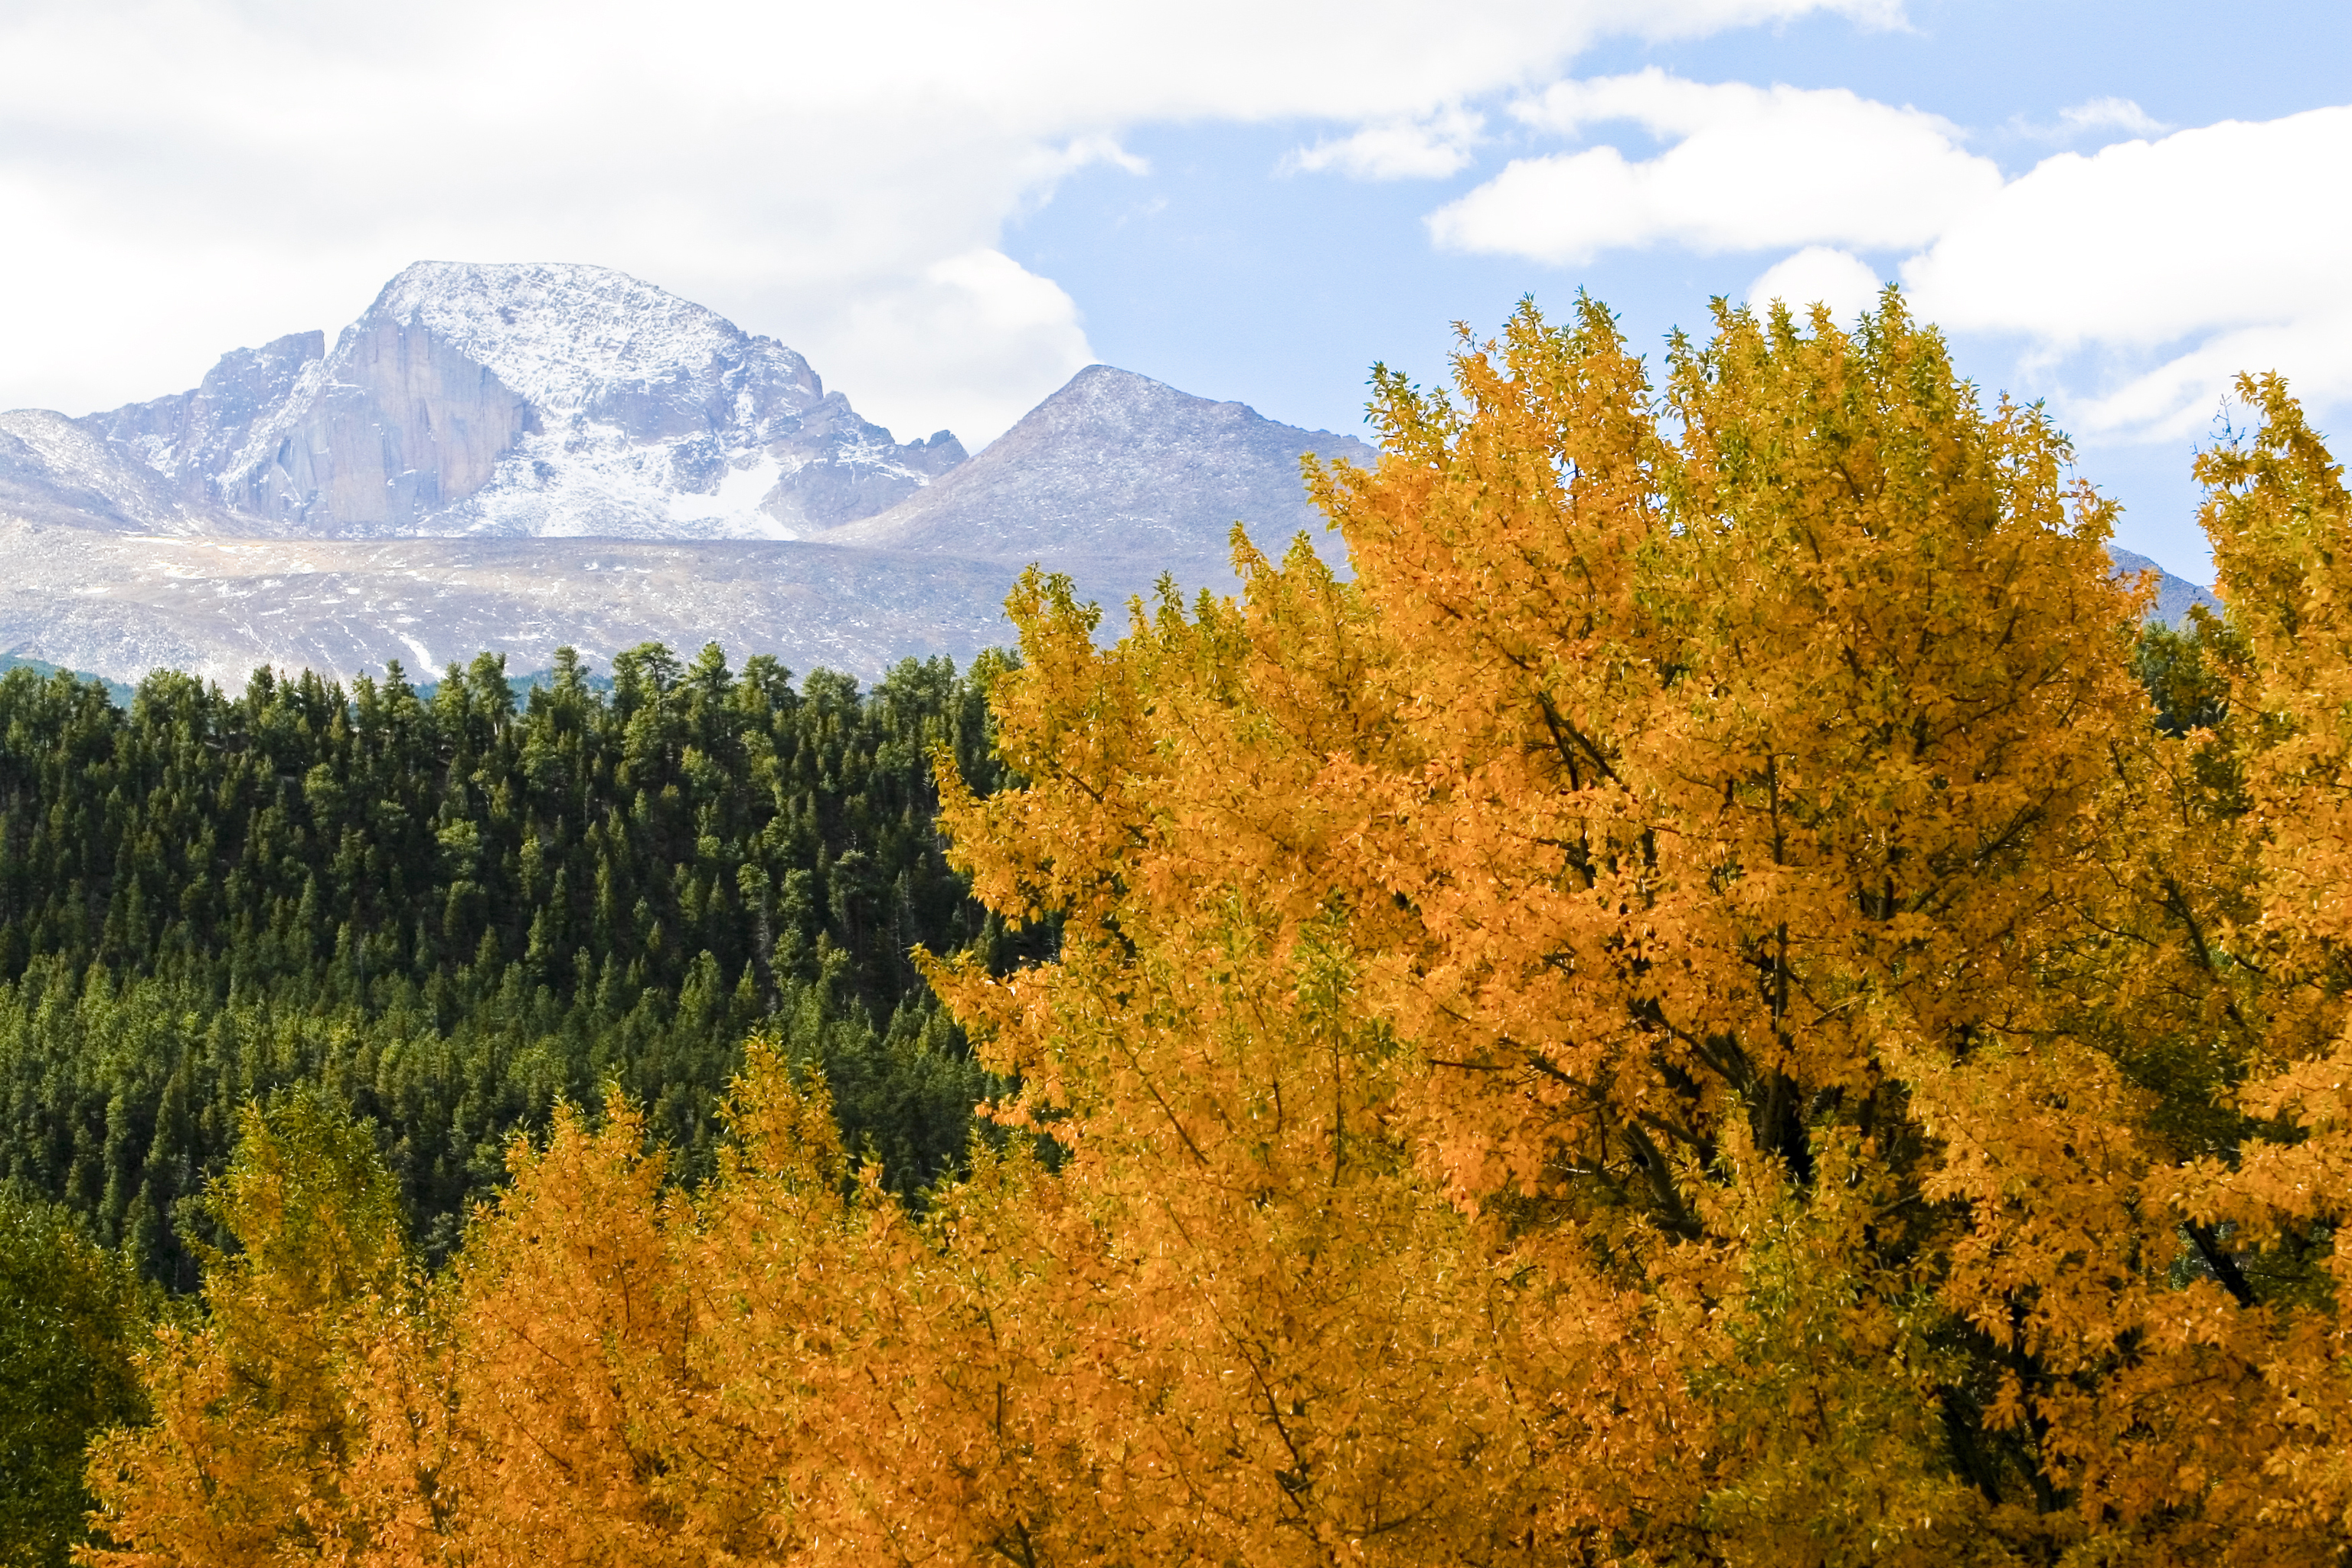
(1694, 1010)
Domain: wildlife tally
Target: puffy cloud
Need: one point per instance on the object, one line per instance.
(2183, 394)
(2145, 240)
(948, 339)
(1749, 169)
(2110, 114)
(183, 176)
(2139, 279)
(2209, 251)
(1818, 275)
(2097, 118)
(1428, 149)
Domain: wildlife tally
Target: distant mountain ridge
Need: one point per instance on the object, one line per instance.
(1116, 464)
(522, 456)
(1115, 478)
(2175, 596)
(1118, 479)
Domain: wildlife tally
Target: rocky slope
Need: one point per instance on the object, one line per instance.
(119, 604)
(58, 470)
(1116, 478)
(536, 400)
(2174, 596)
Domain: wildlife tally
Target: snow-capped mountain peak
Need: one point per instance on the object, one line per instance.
(538, 398)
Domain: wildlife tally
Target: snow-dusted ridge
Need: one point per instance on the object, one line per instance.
(1119, 467)
(564, 335)
(52, 467)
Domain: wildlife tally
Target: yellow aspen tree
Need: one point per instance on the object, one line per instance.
(571, 1335)
(1730, 799)
(2268, 1207)
(268, 1441)
(1993, 769)
(812, 1374)
(1283, 1315)
(779, 1367)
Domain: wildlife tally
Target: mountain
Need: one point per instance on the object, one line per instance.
(523, 457)
(58, 470)
(1114, 479)
(2174, 596)
(536, 400)
(1117, 478)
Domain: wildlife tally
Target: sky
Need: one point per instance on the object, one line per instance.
(950, 205)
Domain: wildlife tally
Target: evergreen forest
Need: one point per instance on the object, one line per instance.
(450, 911)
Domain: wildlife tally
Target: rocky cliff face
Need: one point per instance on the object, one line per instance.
(197, 441)
(380, 439)
(534, 399)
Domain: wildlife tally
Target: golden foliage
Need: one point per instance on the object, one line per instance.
(1690, 1012)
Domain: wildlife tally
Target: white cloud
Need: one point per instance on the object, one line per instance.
(2140, 278)
(948, 339)
(1818, 275)
(2230, 225)
(2209, 251)
(1428, 149)
(2110, 114)
(2181, 395)
(1750, 168)
(2097, 119)
(180, 176)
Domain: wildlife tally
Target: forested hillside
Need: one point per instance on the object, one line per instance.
(449, 912)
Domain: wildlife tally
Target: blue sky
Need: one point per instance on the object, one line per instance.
(1221, 273)
(950, 206)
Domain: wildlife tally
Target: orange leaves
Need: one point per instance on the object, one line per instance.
(570, 1320)
(1729, 801)
(286, 1422)
(1687, 1013)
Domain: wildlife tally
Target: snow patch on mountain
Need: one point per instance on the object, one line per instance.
(737, 499)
